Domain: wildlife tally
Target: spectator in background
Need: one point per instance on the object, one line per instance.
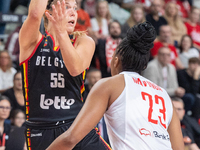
(137, 16)
(184, 8)
(186, 50)
(165, 40)
(189, 80)
(16, 139)
(90, 7)
(193, 29)
(5, 108)
(83, 20)
(196, 3)
(163, 73)
(178, 28)
(12, 45)
(117, 12)
(106, 47)
(6, 71)
(17, 118)
(101, 20)
(93, 76)
(15, 94)
(154, 16)
(190, 127)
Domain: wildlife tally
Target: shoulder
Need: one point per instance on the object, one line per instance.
(153, 63)
(187, 24)
(171, 67)
(181, 72)
(162, 18)
(83, 38)
(148, 16)
(109, 82)
(157, 44)
(13, 70)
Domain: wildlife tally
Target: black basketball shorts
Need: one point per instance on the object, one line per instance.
(40, 138)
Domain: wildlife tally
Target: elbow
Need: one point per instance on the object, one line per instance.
(70, 141)
(75, 71)
(33, 14)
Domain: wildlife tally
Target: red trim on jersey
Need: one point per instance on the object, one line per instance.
(97, 132)
(54, 48)
(28, 139)
(32, 52)
(109, 148)
(74, 41)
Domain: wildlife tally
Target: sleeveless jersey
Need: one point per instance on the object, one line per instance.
(138, 119)
(51, 93)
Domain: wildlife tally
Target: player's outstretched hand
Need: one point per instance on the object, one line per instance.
(58, 18)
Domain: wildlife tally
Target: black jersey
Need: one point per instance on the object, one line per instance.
(51, 93)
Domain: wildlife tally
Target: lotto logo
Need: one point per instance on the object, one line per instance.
(58, 103)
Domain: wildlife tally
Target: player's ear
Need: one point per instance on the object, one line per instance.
(116, 61)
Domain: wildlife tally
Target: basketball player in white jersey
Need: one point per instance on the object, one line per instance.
(139, 114)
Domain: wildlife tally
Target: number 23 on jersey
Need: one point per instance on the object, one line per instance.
(153, 101)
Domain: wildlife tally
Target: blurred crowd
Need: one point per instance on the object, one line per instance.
(174, 60)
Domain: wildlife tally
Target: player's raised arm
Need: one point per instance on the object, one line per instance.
(175, 133)
(29, 34)
(63, 19)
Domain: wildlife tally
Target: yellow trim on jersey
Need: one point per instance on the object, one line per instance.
(25, 86)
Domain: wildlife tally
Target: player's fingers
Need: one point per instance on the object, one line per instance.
(49, 17)
(55, 13)
(63, 7)
(59, 9)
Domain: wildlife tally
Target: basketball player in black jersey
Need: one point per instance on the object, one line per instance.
(53, 68)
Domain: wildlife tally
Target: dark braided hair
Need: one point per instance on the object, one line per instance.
(134, 50)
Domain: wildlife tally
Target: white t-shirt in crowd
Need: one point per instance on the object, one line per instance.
(185, 56)
(95, 26)
(6, 78)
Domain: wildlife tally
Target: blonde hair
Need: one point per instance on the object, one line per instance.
(98, 17)
(176, 21)
(10, 61)
(131, 22)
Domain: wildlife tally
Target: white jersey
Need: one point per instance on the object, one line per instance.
(138, 119)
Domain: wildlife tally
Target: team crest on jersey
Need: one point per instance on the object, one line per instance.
(145, 132)
(45, 43)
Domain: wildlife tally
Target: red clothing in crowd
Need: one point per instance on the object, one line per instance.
(158, 45)
(194, 32)
(83, 21)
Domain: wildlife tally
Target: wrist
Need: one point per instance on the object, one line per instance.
(62, 35)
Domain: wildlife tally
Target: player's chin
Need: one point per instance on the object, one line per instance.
(70, 30)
